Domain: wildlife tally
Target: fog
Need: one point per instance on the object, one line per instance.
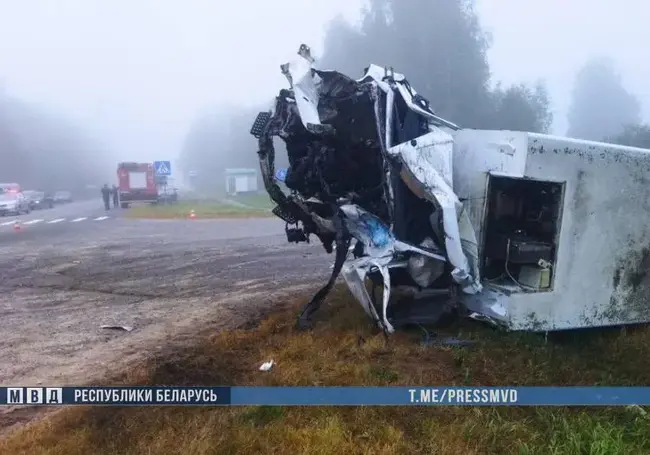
(553, 39)
(141, 80)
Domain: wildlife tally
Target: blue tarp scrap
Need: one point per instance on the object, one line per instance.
(379, 234)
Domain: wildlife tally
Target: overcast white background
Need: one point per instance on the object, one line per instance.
(136, 72)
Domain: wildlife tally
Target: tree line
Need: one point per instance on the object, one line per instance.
(442, 49)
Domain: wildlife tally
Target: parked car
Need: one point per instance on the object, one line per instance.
(62, 197)
(13, 203)
(39, 200)
(10, 187)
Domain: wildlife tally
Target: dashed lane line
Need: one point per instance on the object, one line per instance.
(54, 221)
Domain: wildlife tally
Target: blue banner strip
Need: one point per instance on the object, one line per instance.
(326, 396)
(426, 396)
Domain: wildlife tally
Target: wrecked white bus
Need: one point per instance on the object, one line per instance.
(526, 231)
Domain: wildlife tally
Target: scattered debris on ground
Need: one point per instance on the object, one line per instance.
(218, 274)
(343, 349)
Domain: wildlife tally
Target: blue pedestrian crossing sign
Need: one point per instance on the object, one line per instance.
(162, 168)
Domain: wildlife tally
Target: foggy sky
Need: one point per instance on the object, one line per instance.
(135, 73)
(552, 39)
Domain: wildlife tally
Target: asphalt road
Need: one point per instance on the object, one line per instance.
(61, 218)
(167, 279)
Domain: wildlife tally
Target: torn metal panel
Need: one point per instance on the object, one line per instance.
(299, 75)
(422, 161)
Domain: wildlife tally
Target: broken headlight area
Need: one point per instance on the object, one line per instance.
(370, 163)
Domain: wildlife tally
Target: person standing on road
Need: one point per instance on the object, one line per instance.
(116, 198)
(106, 195)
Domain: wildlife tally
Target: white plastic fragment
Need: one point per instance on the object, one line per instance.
(638, 410)
(266, 366)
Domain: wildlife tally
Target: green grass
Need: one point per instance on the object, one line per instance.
(202, 210)
(344, 349)
(259, 200)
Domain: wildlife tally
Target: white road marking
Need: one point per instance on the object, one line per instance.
(57, 220)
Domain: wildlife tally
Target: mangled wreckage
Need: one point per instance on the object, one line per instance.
(518, 229)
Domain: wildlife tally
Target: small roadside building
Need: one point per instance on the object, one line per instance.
(241, 181)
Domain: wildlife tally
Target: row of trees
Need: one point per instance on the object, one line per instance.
(442, 49)
(41, 151)
(440, 46)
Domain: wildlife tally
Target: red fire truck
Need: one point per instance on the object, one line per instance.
(137, 183)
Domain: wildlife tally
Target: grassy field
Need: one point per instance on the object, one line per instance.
(259, 200)
(202, 210)
(344, 349)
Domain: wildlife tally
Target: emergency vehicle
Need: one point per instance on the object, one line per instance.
(12, 200)
(10, 187)
(136, 183)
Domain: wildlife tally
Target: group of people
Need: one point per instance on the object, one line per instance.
(106, 195)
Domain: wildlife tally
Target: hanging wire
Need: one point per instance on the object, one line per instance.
(523, 286)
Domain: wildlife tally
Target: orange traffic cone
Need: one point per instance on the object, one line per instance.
(192, 214)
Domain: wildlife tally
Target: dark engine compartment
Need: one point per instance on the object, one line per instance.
(344, 161)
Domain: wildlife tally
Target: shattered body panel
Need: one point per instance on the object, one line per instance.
(370, 162)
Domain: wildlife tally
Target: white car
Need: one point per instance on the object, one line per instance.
(13, 203)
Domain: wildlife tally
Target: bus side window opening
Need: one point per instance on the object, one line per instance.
(522, 225)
